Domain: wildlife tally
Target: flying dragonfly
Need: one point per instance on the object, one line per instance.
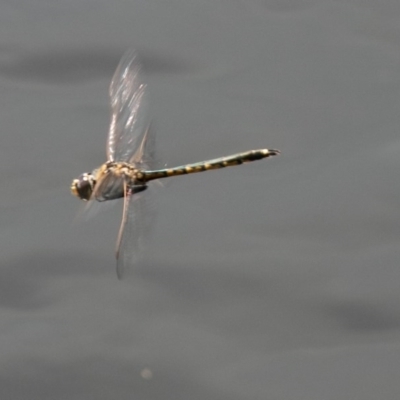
(130, 154)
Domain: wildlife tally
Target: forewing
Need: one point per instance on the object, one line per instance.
(129, 119)
(134, 231)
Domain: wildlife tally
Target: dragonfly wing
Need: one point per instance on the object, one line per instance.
(145, 155)
(129, 119)
(135, 225)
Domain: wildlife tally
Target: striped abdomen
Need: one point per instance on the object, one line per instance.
(222, 162)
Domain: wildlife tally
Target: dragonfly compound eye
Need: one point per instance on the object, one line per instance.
(83, 186)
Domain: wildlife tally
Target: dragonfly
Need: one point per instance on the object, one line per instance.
(130, 156)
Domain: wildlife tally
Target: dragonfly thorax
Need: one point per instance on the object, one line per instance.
(109, 178)
(132, 174)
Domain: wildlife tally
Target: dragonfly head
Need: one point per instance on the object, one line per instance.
(83, 186)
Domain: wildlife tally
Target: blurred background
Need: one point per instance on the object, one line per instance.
(274, 280)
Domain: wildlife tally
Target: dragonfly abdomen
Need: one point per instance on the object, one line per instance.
(222, 162)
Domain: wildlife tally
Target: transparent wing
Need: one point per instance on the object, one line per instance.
(129, 118)
(145, 155)
(134, 231)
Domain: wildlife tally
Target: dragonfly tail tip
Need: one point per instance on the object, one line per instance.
(274, 152)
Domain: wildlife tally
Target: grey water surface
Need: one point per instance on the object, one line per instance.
(275, 280)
